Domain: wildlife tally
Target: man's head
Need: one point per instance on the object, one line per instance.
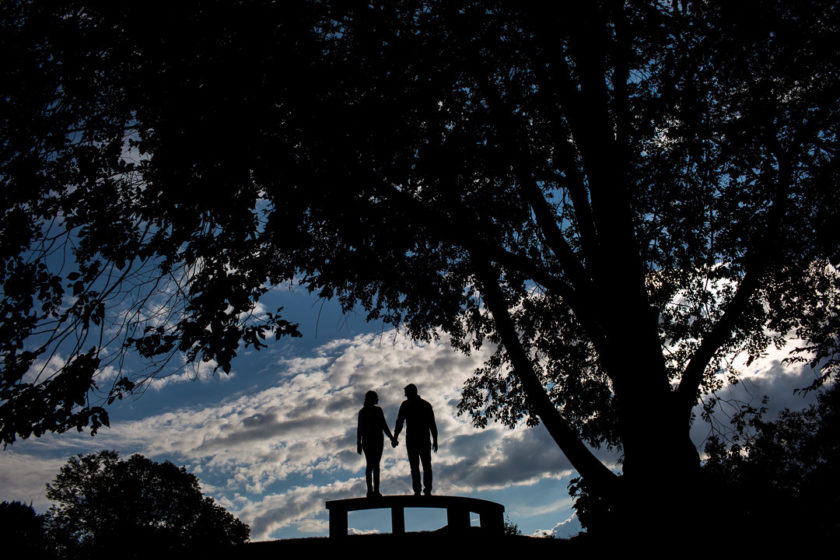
(411, 390)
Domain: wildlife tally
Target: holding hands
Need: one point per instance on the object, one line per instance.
(394, 442)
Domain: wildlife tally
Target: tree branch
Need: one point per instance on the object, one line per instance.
(594, 471)
(757, 263)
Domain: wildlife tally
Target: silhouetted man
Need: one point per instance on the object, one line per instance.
(420, 422)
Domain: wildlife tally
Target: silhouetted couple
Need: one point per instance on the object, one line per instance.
(419, 419)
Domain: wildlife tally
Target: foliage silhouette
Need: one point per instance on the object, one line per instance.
(786, 472)
(511, 528)
(620, 195)
(769, 477)
(22, 531)
(106, 506)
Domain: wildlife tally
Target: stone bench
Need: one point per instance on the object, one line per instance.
(458, 511)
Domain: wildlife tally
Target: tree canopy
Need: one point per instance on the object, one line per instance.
(621, 196)
(22, 530)
(106, 506)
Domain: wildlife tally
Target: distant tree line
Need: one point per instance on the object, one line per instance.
(106, 507)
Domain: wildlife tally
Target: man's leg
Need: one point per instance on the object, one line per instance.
(426, 458)
(414, 463)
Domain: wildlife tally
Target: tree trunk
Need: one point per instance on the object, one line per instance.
(660, 485)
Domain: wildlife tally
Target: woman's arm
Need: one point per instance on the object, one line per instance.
(384, 424)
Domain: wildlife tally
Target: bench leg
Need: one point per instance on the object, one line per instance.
(338, 523)
(458, 519)
(493, 522)
(397, 520)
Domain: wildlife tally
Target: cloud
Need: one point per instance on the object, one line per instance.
(498, 458)
(563, 530)
(195, 371)
(273, 456)
(301, 507)
(41, 369)
(303, 428)
(771, 377)
(23, 477)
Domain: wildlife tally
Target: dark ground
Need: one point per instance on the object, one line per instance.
(441, 546)
(435, 546)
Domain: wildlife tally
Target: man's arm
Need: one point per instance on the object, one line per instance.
(433, 428)
(400, 420)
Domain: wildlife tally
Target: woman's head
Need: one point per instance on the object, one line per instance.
(371, 398)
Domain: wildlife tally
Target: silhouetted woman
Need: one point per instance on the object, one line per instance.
(369, 438)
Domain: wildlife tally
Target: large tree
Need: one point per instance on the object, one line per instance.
(621, 196)
(106, 506)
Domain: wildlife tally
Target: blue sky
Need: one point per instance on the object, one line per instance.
(275, 439)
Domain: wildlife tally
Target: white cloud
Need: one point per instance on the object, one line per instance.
(23, 477)
(563, 530)
(768, 376)
(43, 369)
(195, 371)
(274, 456)
(301, 507)
(302, 427)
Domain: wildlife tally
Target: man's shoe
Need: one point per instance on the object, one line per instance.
(427, 492)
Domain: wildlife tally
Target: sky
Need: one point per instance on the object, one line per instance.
(275, 439)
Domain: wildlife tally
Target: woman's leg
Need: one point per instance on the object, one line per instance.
(373, 455)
